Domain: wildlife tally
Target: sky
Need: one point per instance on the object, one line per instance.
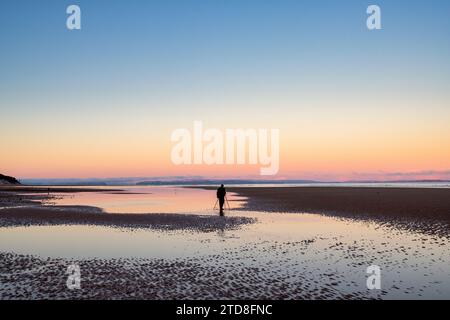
(350, 103)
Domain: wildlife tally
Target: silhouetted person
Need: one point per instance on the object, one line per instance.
(221, 192)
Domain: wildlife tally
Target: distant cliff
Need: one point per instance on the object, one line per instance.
(8, 180)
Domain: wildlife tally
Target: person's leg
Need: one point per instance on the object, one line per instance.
(221, 203)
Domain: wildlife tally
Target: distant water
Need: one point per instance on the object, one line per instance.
(141, 182)
(354, 184)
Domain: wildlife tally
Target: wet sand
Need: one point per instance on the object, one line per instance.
(29, 277)
(291, 265)
(71, 215)
(420, 209)
(284, 257)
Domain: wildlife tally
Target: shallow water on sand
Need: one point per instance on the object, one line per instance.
(286, 255)
(148, 199)
(316, 252)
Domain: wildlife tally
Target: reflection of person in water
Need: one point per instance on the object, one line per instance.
(221, 192)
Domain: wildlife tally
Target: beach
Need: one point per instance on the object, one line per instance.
(274, 243)
(423, 209)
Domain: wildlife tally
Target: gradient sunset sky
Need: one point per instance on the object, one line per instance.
(102, 101)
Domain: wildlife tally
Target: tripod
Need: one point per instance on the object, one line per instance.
(226, 201)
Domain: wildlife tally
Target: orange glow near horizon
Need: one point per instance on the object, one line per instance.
(303, 155)
(333, 142)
